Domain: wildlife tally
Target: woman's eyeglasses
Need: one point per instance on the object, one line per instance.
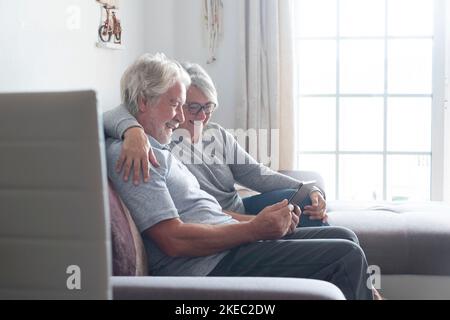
(195, 108)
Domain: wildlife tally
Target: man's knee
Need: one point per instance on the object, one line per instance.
(345, 234)
(345, 247)
(356, 270)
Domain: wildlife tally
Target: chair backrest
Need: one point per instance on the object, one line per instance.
(54, 218)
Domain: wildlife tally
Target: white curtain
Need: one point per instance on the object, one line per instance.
(267, 80)
(447, 156)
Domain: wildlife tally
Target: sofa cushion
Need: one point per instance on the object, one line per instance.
(223, 288)
(128, 252)
(401, 238)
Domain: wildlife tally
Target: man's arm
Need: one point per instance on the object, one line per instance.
(256, 176)
(178, 239)
(239, 217)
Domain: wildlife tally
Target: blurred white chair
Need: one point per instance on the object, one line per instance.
(54, 218)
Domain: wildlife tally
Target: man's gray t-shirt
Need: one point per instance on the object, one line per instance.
(172, 192)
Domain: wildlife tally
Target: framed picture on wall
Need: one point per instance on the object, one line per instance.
(109, 31)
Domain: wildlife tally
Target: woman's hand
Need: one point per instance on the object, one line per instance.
(136, 153)
(318, 208)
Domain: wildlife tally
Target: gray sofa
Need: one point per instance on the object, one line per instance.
(132, 281)
(408, 243)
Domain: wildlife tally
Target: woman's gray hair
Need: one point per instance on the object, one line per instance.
(149, 77)
(201, 80)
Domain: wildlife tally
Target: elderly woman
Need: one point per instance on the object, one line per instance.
(213, 159)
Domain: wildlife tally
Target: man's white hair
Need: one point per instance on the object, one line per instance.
(149, 77)
(201, 80)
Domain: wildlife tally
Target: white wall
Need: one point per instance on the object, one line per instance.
(40, 51)
(191, 44)
(176, 28)
(159, 26)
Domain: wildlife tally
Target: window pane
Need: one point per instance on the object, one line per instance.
(409, 124)
(410, 17)
(361, 124)
(408, 177)
(315, 18)
(362, 66)
(362, 18)
(317, 66)
(317, 124)
(410, 66)
(361, 177)
(325, 165)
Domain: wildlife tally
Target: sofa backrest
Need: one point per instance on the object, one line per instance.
(128, 252)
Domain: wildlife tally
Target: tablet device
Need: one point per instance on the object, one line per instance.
(302, 193)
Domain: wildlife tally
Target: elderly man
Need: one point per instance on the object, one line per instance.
(184, 228)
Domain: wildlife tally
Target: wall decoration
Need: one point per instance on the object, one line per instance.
(213, 18)
(110, 29)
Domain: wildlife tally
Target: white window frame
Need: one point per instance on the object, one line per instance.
(438, 107)
(440, 144)
(446, 155)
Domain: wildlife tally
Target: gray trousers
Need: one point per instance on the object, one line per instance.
(331, 254)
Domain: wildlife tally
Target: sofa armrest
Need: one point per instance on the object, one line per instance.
(222, 288)
(306, 176)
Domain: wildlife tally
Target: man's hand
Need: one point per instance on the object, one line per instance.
(295, 217)
(318, 208)
(136, 152)
(273, 222)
